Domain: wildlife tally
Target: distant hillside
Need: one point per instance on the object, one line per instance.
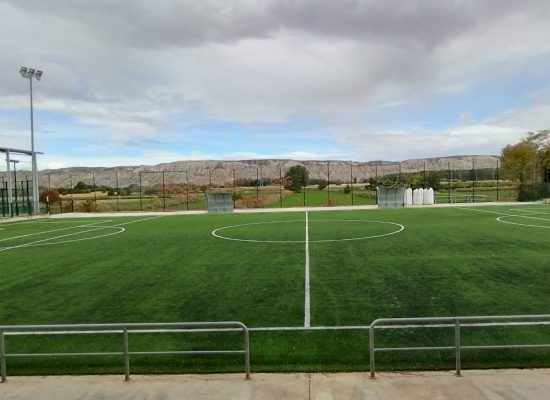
(222, 172)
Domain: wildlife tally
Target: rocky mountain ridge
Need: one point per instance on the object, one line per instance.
(218, 172)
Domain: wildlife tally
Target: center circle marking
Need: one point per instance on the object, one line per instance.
(398, 228)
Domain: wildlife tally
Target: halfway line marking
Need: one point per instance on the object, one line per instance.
(307, 302)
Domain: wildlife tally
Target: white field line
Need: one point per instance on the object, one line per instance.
(32, 221)
(527, 210)
(216, 231)
(138, 220)
(501, 219)
(55, 230)
(35, 243)
(38, 242)
(504, 215)
(307, 301)
(277, 328)
(490, 212)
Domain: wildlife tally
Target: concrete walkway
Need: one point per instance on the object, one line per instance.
(474, 385)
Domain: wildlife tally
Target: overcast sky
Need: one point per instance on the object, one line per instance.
(143, 82)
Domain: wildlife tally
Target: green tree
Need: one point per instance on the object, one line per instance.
(520, 161)
(541, 140)
(81, 187)
(433, 180)
(297, 177)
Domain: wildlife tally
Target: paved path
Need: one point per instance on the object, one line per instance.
(474, 385)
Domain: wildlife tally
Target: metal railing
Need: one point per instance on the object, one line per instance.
(124, 329)
(456, 323)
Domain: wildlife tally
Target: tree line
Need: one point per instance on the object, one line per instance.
(528, 163)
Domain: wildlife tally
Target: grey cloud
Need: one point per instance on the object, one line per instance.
(133, 67)
(146, 23)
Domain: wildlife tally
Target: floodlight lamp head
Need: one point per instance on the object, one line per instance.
(38, 74)
(31, 72)
(23, 72)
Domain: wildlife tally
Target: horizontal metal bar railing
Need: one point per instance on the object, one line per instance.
(124, 329)
(457, 323)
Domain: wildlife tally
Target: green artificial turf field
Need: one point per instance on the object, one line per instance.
(363, 265)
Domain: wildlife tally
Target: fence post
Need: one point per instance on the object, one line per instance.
(126, 355)
(498, 178)
(186, 191)
(257, 183)
(474, 178)
(304, 183)
(117, 192)
(163, 193)
(457, 346)
(72, 199)
(95, 192)
(328, 182)
(246, 352)
(2, 357)
(371, 350)
(140, 197)
(351, 180)
(280, 187)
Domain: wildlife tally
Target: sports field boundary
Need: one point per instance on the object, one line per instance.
(345, 335)
(277, 210)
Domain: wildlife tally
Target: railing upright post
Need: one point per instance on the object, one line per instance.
(371, 350)
(2, 357)
(246, 352)
(457, 347)
(126, 355)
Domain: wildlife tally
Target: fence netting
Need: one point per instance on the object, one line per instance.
(259, 184)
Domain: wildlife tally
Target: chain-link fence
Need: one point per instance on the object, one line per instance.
(263, 184)
(15, 197)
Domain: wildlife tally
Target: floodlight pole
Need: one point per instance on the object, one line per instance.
(30, 73)
(35, 205)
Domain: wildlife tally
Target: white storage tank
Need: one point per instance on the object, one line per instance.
(426, 196)
(417, 196)
(408, 197)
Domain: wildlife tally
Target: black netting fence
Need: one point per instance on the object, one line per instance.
(261, 185)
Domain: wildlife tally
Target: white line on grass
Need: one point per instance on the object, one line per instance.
(307, 302)
(41, 242)
(55, 230)
(501, 219)
(486, 211)
(139, 220)
(529, 210)
(504, 215)
(216, 231)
